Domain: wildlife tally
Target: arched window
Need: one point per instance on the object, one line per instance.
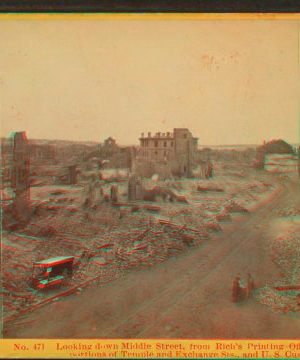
(165, 144)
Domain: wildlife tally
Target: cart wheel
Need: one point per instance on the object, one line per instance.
(41, 294)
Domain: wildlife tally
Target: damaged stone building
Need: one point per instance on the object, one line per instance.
(177, 150)
(115, 156)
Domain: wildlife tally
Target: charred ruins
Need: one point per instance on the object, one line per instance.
(85, 214)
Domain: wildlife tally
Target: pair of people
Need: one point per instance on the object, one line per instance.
(240, 292)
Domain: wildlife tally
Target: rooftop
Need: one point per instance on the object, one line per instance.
(167, 135)
(277, 147)
(54, 261)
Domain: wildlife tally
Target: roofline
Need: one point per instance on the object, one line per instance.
(53, 262)
(158, 137)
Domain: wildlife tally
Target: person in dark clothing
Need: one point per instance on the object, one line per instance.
(239, 290)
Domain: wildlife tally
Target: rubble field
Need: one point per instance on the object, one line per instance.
(108, 240)
(284, 248)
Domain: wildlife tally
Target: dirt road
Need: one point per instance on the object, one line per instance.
(188, 296)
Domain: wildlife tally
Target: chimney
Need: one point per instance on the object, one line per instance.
(149, 134)
(142, 135)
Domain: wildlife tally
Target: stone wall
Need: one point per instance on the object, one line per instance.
(135, 188)
(20, 178)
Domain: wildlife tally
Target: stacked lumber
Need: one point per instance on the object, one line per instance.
(173, 231)
(160, 243)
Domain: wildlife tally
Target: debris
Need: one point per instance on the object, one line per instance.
(114, 193)
(223, 217)
(285, 251)
(152, 208)
(275, 301)
(164, 193)
(233, 207)
(108, 236)
(212, 226)
(56, 193)
(209, 189)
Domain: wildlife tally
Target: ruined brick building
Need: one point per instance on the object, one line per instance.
(179, 149)
(115, 156)
(180, 143)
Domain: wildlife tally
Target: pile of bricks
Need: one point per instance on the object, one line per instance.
(275, 301)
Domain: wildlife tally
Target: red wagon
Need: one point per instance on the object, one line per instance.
(48, 272)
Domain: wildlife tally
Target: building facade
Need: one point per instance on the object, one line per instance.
(168, 145)
(157, 147)
(180, 147)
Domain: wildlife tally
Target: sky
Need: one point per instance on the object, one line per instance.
(228, 81)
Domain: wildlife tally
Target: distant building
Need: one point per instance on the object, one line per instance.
(168, 145)
(278, 156)
(179, 146)
(158, 146)
(115, 156)
(110, 148)
(41, 153)
(277, 147)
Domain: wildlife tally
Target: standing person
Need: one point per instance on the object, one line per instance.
(235, 290)
(250, 286)
(239, 290)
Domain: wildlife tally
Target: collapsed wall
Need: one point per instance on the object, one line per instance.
(20, 178)
(146, 168)
(165, 169)
(135, 188)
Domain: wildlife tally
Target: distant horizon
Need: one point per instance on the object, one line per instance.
(87, 142)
